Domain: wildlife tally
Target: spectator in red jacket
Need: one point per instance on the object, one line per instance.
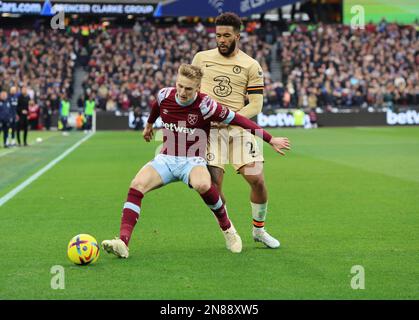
(33, 116)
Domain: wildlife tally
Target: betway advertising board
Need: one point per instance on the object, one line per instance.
(410, 117)
(109, 121)
(404, 118)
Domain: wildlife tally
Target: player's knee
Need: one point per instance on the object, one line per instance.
(218, 184)
(217, 176)
(257, 183)
(138, 185)
(202, 186)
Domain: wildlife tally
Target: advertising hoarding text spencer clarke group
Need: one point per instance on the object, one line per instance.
(16, 7)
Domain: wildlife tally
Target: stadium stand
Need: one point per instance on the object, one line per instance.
(321, 66)
(331, 66)
(128, 66)
(42, 60)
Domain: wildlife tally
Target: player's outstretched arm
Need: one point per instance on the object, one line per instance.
(277, 143)
(221, 114)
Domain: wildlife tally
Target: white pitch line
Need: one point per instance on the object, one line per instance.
(39, 173)
(7, 152)
(15, 148)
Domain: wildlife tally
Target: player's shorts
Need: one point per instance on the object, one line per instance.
(175, 168)
(233, 145)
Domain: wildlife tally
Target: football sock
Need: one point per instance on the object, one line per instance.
(259, 211)
(130, 214)
(213, 200)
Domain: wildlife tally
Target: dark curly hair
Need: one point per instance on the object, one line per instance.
(229, 19)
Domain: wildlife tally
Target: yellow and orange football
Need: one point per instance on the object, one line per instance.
(83, 249)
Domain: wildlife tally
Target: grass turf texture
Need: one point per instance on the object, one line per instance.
(341, 197)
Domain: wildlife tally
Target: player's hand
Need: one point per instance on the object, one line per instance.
(148, 132)
(279, 143)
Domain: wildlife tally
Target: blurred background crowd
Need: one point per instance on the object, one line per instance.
(318, 66)
(127, 67)
(334, 65)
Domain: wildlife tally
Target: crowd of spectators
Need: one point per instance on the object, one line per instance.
(127, 67)
(322, 66)
(40, 60)
(331, 66)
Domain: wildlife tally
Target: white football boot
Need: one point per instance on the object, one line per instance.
(260, 235)
(117, 247)
(233, 240)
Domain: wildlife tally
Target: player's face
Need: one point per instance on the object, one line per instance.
(186, 88)
(226, 39)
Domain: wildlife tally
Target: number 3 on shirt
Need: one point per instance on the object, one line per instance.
(223, 89)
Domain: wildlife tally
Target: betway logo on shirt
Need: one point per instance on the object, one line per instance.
(408, 117)
(175, 128)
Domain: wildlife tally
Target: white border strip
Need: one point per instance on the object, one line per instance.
(36, 175)
(16, 148)
(7, 152)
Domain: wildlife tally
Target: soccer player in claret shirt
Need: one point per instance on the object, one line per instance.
(186, 115)
(231, 77)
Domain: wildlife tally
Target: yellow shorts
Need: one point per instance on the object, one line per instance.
(233, 145)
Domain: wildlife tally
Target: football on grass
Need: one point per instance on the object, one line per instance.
(83, 249)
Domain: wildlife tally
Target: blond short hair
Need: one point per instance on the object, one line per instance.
(191, 72)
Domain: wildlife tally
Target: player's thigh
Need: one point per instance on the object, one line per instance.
(217, 147)
(200, 179)
(147, 179)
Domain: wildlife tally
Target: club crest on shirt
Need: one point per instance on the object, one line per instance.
(192, 119)
(223, 112)
(237, 69)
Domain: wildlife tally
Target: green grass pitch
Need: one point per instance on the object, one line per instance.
(341, 197)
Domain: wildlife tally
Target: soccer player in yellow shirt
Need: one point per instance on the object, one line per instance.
(231, 77)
